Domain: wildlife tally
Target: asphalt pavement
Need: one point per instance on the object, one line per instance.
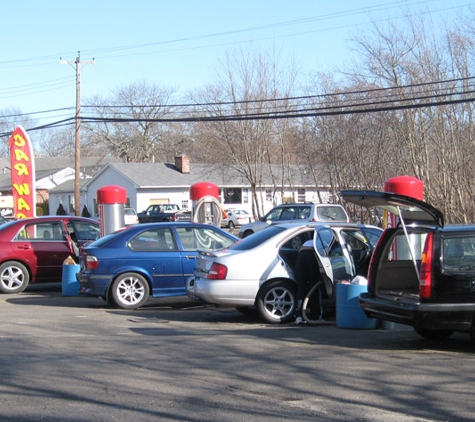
(78, 359)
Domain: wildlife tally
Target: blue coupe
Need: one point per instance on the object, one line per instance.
(128, 266)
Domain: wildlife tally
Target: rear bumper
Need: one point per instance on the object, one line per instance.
(94, 286)
(234, 293)
(436, 316)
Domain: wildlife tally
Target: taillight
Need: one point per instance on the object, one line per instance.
(91, 262)
(217, 272)
(425, 288)
(175, 217)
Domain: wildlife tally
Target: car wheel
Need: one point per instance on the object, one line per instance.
(130, 291)
(435, 335)
(231, 225)
(14, 277)
(247, 233)
(276, 301)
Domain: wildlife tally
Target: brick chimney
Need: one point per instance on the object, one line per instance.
(182, 163)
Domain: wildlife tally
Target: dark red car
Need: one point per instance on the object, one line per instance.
(34, 249)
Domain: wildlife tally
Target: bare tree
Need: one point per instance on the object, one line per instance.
(129, 130)
(248, 83)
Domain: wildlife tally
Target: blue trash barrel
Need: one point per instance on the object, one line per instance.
(69, 283)
(348, 311)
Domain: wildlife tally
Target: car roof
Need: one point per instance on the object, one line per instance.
(54, 217)
(313, 224)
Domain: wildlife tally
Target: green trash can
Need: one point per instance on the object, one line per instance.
(348, 311)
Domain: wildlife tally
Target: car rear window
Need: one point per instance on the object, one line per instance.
(331, 214)
(256, 239)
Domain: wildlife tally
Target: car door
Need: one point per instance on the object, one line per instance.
(336, 263)
(43, 249)
(156, 251)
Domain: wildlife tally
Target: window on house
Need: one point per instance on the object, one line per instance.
(300, 195)
(232, 195)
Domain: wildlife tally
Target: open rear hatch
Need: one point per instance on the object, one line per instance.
(409, 210)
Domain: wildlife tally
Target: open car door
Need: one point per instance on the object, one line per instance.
(335, 261)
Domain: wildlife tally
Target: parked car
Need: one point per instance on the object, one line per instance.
(130, 217)
(422, 272)
(288, 213)
(164, 212)
(258, 271)
(236, 217)
(33, 249)
(150, 259)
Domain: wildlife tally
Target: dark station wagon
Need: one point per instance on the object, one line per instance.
(422, 273)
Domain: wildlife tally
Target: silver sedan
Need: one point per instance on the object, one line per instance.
(257, 272)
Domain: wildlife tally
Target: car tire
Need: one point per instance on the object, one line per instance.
(276, 301)
(434, 335)
(130, 291)
(231, 225)
(247, 233)
(14, 277)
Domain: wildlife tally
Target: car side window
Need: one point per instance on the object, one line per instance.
(400, 248)
(49, 231)
(459, 253)
(325, 242)
(194, 238)
(82, 230)
(303, 213)
(274, 215)
(153, 240)
(288, 214)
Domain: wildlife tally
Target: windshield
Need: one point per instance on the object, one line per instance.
(257, 238)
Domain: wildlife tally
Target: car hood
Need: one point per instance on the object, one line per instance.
(411, 210)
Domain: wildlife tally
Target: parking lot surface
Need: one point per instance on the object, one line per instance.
(78, 359)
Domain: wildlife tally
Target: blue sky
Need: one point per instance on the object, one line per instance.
(171, 43)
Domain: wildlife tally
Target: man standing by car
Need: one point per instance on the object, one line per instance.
(307, 273)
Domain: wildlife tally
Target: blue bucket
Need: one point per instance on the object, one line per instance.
(70, 285)
(348, 311)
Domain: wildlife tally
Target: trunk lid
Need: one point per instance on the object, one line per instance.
(408, 209)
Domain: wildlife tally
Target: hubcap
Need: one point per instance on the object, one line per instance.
(130, 291)
(279, 302)
(12, 278)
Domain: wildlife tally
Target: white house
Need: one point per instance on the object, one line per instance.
(154, 183)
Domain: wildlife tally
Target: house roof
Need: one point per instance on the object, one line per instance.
(159, 175)
(48, 166)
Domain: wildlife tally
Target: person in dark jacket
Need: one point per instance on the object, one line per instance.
(307, 273)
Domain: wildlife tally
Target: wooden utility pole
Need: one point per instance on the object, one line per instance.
(77, 158)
